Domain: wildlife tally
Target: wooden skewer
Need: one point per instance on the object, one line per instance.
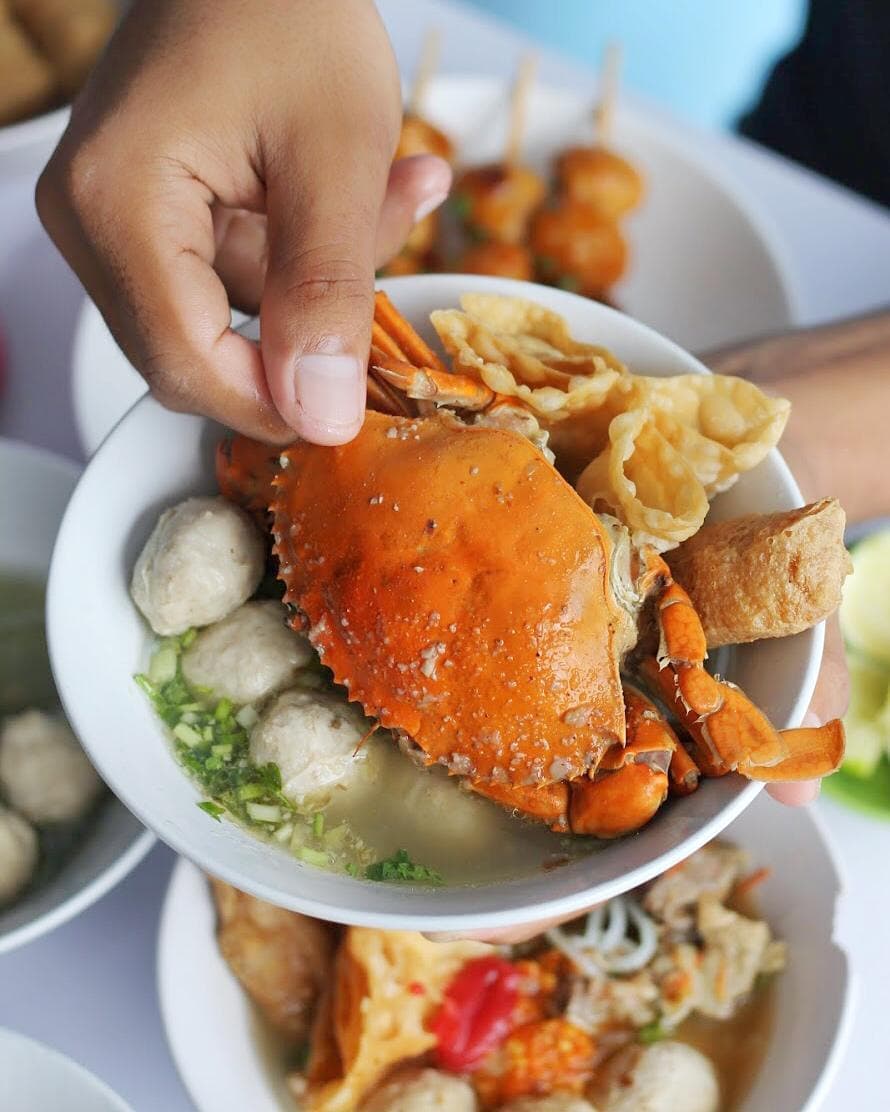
(525, 78)
(426, 67)
(610, 73)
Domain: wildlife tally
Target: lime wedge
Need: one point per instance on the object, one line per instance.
(866, 742)
(869, 686)
(865, 609)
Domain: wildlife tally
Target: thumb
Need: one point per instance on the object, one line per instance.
(318, 298)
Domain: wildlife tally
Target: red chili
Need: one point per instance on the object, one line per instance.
(476, 1012)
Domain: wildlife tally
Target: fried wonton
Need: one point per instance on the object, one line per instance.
(636, 439)
(386, 987)
(643, 480)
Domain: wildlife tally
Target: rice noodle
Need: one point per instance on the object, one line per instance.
(607, 944)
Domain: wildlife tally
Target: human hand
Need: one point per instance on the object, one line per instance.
(229, 151)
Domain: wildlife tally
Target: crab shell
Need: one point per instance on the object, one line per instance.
(460, 589)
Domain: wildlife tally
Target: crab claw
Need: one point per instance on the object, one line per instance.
(616, 803)
(545, 802)
(631, 782)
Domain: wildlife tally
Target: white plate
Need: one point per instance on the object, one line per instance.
(34, 1078)
(704, 270)
(208, 1018)
(34, 489)
(154, 458)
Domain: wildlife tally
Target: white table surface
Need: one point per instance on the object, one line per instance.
(88, 989)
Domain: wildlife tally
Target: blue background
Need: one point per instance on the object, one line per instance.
(704, 59)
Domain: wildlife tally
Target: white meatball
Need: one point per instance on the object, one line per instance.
(249, 655)
(312, 736)
(203, 559)
(664, 1077)
(556, 1102)
(423, 1091)
(18, 854)
(44, 773)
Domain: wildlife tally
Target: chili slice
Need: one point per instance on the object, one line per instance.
(476, 1012)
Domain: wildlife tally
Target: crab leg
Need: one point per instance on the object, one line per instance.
(430, 384)
(404, 343)
(684, 773)
(729, 732)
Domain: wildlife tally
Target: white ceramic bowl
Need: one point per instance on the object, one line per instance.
(38, 1079)
(34, 489)
(732, 283)
(207, 1016)
(154, 458)
(26, 146)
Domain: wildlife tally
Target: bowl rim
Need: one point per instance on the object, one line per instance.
(513, 908)
(90, 1080)
(66, 470)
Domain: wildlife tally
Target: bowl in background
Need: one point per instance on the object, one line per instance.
(154, 458)
(34, 489)
(208, 1017)
(38, 1079)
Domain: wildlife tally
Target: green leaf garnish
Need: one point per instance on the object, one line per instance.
(652, 1033)
(212, 809)
(400, 869)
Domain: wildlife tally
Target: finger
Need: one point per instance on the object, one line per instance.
(241, 256)
(323, 209)
(150, 269)
(832, 692)
(795, 795)
(513, 936)
(416, 187)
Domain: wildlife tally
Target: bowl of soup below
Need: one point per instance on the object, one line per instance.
(153, 459)
(766, 1058)
(34, 490)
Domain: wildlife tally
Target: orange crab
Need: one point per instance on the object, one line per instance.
(471, 602)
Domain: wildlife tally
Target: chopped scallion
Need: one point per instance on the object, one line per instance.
(263, 812)
(318, 824)
(183, 732)
(313, 856)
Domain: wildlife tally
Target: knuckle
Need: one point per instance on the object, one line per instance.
(317, 277)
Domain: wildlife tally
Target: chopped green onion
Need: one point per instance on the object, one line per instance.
(189, 717)
(184, 733)
(653, 1032)
(222, 751)
(212, 809)
(250, 791)
(284, 832)
(147, 686)
(186, 639)
(263, 812)
(313, 856)
(223, 710)
(162, 668)
(318, 824)
(213, 764)
(246, 717)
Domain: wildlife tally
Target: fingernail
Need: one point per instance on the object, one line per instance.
(430, 204)
(811, 720)
(329, 391)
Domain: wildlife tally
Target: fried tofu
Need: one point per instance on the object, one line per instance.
(765, 575)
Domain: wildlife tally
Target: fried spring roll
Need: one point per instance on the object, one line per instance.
(765, 575)
(71, 34)
(27, 85)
